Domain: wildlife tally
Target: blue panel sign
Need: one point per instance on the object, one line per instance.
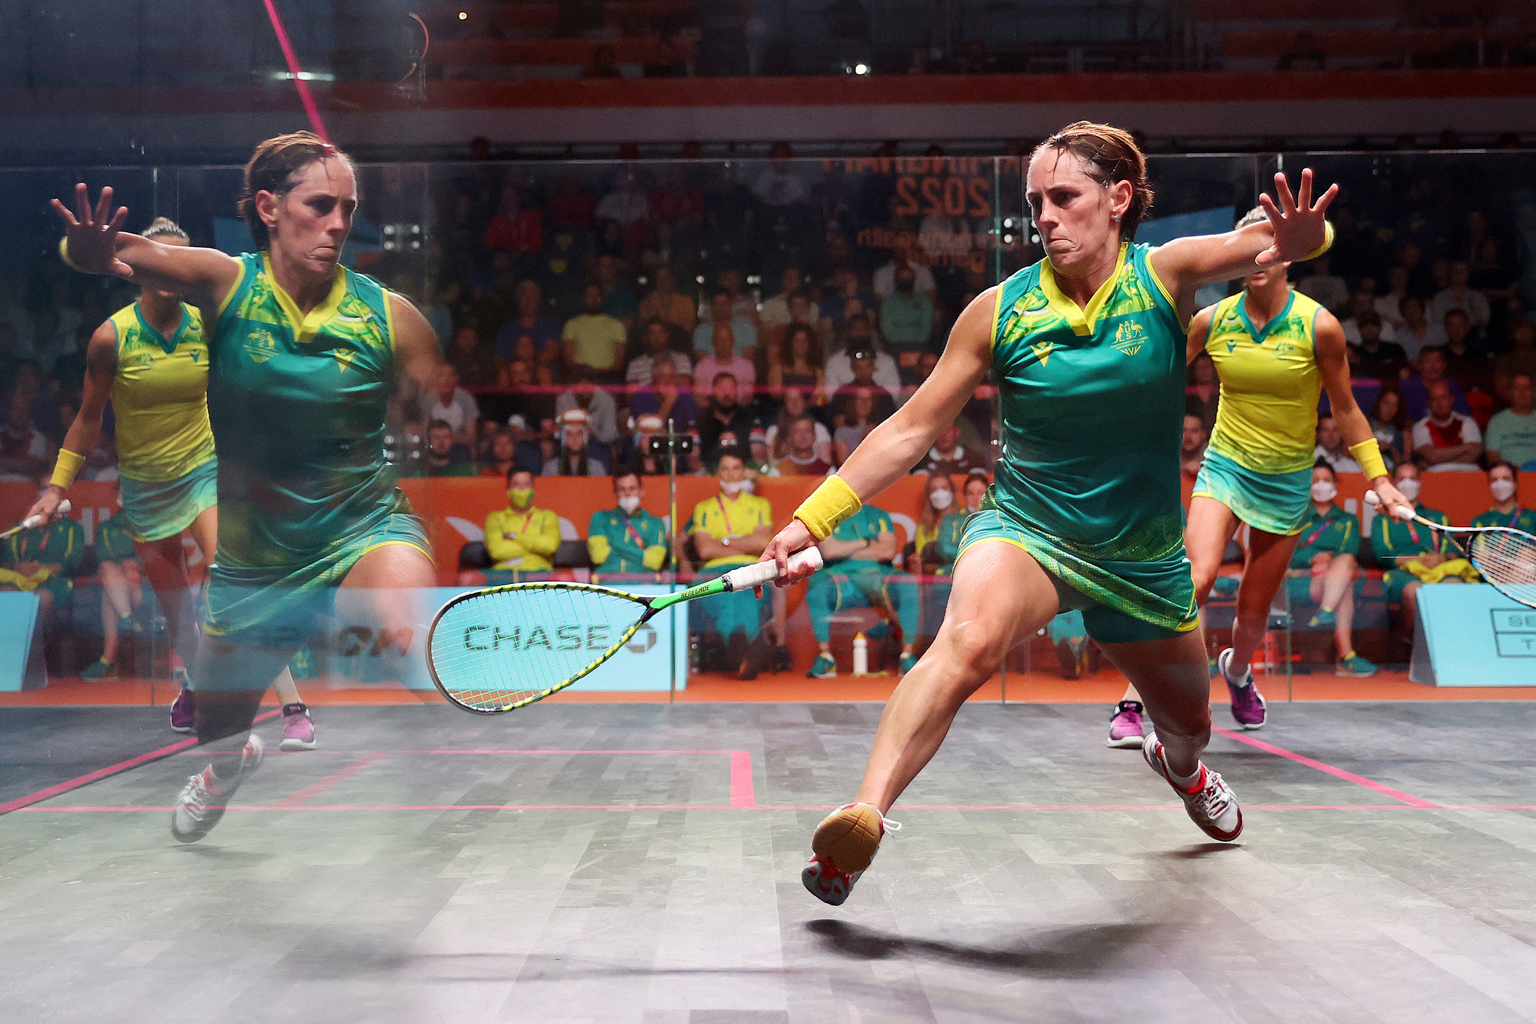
(21, 660)
(1472, 635)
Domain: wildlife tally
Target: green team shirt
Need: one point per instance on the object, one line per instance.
(298, 406)
(1520, 519)
(946, 546)
(868, 523)
(1391, 540)
(627, 537)
(1337, 533)
(61, 543)
(114, 541)
(1092, 412)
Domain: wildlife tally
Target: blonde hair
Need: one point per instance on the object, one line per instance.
(164, 227)
(1253, 216)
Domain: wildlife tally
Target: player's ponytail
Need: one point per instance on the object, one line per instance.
(1111, 155)
(275, 167)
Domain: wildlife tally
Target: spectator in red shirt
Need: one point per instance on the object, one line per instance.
(803, 458)
(514, 228)
(571, 207)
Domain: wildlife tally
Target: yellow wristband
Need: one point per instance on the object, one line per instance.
(828, 505)
(1327, 243)
(65, 469)
(1368, 454)
(64, 255)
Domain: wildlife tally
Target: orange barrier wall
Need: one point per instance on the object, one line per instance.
(1459, 495)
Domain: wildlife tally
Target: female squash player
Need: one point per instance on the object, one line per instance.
(1087, 349)
(1275, 350)
(303, 356)
(151, 361)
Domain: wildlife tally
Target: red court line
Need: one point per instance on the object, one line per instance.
(23, 802)
(1340, 773)
(782, 807)
(742, 794)
(320, 786)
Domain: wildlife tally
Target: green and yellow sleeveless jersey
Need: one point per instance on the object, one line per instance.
(1267, 419)
(160, 397)
(298, 408)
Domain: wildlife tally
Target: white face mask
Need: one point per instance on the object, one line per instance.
(748, 486)
(941, 500)
(1324, 490)
(733, 486)
(629, 503)
(1410, 488)
(1502, 490)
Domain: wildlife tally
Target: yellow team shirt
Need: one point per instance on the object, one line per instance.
(720, 517)
(160, 397)
(522, 540)
(1267, 419)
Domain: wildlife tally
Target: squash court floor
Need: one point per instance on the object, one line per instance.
(640, 863)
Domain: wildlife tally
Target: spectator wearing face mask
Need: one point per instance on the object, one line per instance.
(1446, 440)
(1503, 483)
(1412, 553)
(520, 538)
(803, 458)
(1512, 433)
(1327, 552)
(626, 542)
(729, 530)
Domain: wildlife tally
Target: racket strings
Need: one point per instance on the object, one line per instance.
(494, 650)
(1506, 559)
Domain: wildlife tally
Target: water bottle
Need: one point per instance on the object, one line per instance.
(860, 655)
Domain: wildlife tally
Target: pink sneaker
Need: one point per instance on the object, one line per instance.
(298, 730)
(1248, 707)
(184, 711)
(1127, 726)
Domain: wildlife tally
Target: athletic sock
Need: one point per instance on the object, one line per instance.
(1183, 782)
(1227, 672)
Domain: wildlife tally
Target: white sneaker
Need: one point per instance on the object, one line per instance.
(204, 798)
(1210, 802)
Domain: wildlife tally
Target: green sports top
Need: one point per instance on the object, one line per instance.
(1521, 518)
(1337, 533)
(298, 406)
(868, 523)
(1391, 539)
(1092, 412)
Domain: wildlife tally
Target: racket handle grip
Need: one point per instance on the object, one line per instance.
(759, 573)
(33, 522)
(1401, 512)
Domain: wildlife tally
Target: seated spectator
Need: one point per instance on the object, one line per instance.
(1460, 295)
(1389, 306)
(1512, 433)
(796, 360)
(1304, 55)
(1503, 484)
(502, 455)
(949, 457)
(742, 303)
(723, 360)
(664, 302)
(515, 227)
(862, 365)
(937, 543)
(533, 406)
(906, 317)
(529, 320)
(1328, 551)
(122, 592)
(857, 573)
(445, 456)
(1383, 360)
(454, 406)
(797, 403)
(724, 422)
(1324, 286)
(473, 362)
(634, 451)
(595, 340)
(1465, 360)
(1520, 359)
(1192, 448)
(1446, 440)
(43, 561)
(657, 338)
(775, 312)
(23, 448)
(834, 305)
(1432, 369)
(619, 299)
(743, 334)
(520, 538)
(803, 457)
(1416, 334)
(1391, 427)
(599, 405)
(883, 283)
(729, 530)
(1330, 448)
(626, 542)
(670, 396)
(1362, 305)
(1203, 395)
(859, 416)
(858, 336)
(574, 458)
(1413, 555)
(757, 460)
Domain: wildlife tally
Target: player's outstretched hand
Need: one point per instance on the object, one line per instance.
(92, 233)
(1299, 223)
(794, 537)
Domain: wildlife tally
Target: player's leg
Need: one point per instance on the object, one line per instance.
(1267, 560)
(379, 587)
(1334, 591)
(980, 626)
(823, 597)
(116, 607)
(899, 594)
(1170, 672)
